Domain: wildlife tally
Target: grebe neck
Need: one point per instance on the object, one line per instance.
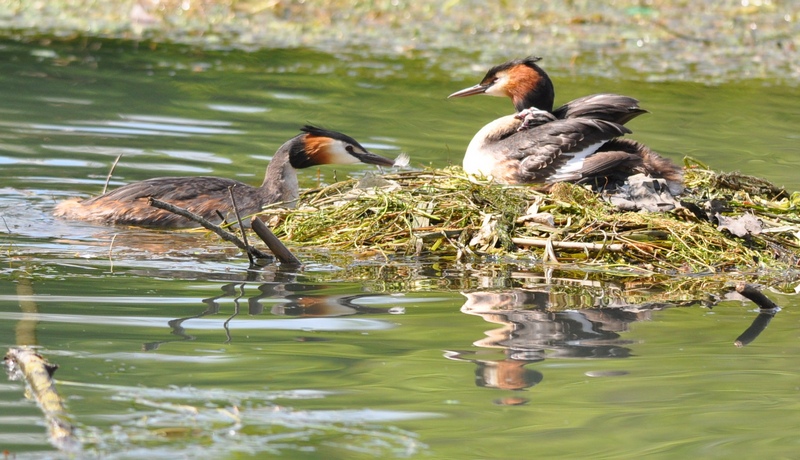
(280, 181)
(533, 88)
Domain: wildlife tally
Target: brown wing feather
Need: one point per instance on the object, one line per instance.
(609, 107)
(543, 149)
(602, 163)
(128, 205)
(170, 189)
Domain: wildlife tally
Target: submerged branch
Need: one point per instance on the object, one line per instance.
(768, 309)
(751, 292)
(224, 234)
(23, 363)
(273, 243)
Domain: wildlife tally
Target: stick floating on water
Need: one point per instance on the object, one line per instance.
(25, 364)
(241, 226)
(768, 311)
(753, 293)
(273, 243)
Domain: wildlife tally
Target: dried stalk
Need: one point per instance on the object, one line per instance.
(543, 243)
(110, 173)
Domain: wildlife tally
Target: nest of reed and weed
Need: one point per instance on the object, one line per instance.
(728, 222)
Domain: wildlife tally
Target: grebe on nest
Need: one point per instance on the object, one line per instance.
(577, 142)
(128, 205)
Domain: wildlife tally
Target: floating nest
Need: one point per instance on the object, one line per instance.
(727, 223)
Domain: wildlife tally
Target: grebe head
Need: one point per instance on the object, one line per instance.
(527, 84)
(321, 146)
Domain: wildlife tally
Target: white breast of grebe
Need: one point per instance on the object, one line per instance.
(487, 151)
(480, 159)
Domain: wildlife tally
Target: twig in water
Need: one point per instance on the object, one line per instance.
(110, 173)
(225, 235)
(768, 311)
(273, 243)
(755, 329)
(24, 363)
(752, 293)
(110, 253)
(241, 226)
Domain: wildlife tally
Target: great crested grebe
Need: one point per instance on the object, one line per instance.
(577, 142)
(128, 205)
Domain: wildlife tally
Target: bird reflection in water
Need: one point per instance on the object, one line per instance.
(544, 323)
(532, 329)
(298, 300)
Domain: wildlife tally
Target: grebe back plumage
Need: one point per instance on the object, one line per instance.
(205, 195)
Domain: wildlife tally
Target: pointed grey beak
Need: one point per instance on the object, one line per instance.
(471, 91)
(372, 159)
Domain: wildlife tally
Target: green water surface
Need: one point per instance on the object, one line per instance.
(169, 348)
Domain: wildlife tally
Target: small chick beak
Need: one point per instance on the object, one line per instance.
(471, 91)
(372, 159)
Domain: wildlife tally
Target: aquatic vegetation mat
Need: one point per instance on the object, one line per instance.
(727, 223)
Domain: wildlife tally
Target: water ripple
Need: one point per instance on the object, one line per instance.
(66, 100)
(95, 149)
(295, 324)
(193, 155)
(237, 108)
(167, 128)
(163, 120)
(132, 125)
(36, 128)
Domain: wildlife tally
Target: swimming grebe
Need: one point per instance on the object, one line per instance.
(577, 142)
(128, 205)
